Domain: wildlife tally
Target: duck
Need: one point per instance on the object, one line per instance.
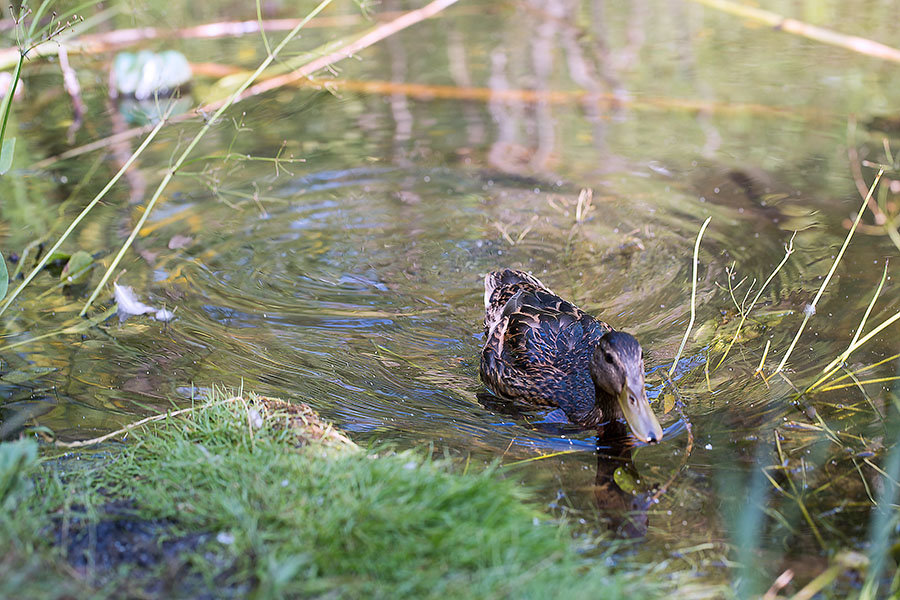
(542, 350)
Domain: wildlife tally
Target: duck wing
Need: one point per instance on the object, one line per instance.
(500, 287)
(542, 328)
(538, 351)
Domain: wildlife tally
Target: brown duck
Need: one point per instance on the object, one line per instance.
(543, 350)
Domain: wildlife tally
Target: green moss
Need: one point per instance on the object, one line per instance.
(319, 518)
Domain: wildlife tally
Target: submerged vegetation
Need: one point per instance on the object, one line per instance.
(319, 226)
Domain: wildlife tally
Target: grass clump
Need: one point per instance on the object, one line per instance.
(278, 504)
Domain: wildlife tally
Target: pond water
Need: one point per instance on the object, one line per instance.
(351, 277)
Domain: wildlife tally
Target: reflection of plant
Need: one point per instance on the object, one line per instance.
(884, 206)
(27, 39)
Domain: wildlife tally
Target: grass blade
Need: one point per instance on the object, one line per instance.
(812, 306)
(693, 296)
(833, 366)
(880, 525)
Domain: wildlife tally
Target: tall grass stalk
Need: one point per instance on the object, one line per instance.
(811, 309)
(693, 296)
(87, 209)
(857, 382)
(887, 323)
(834, 365)
(4, 278)
(8, 146)
(26, 45)
(170, 173)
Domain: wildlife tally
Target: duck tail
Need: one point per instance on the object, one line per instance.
(505, 277)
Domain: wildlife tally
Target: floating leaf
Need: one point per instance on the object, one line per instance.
(77, 269)
(6, 155)
(668, 403)
(625, 480)
(59, 257)
(4, 278)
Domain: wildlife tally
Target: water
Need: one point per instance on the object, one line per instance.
(352, 280)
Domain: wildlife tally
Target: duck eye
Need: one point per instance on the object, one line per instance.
(608, 357)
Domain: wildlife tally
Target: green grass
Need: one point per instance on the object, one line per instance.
(306, 520)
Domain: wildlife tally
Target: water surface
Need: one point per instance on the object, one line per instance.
(352, 280)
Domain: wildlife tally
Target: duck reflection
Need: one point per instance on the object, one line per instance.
(619, 504)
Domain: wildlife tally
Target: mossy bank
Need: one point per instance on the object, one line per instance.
(258, 498)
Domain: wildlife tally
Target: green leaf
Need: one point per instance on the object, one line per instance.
(625, 480)
(4, 278)
(6, 155)
(77, 269)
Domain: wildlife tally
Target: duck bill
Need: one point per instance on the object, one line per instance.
(639, 416)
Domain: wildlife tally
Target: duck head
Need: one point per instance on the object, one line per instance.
(617, 368)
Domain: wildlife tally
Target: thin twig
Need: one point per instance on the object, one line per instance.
(108, 41)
